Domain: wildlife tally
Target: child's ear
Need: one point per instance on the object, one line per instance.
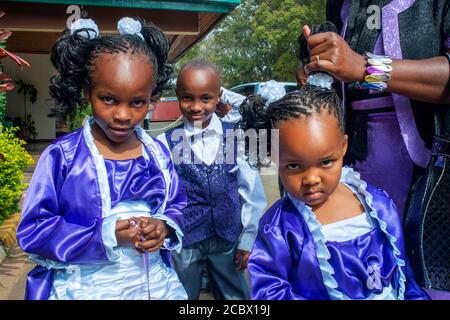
(344, 145)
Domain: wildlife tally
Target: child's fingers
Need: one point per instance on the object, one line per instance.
(150, 245)
(122, 225)
(155, 234)
(134, 234)
(156, 247)
(148, 229)
(144, 221)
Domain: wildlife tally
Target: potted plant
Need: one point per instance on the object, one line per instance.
(27, 129)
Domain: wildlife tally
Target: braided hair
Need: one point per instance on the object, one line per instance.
(74, 56)
(309, 100)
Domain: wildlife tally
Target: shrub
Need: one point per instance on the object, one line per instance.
(13, 159)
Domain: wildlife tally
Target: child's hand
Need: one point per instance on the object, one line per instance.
(126, 233)
(154, 232)
(222, 109)
(330, 53)
(241, 259)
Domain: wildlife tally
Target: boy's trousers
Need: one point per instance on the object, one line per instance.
(226, 282)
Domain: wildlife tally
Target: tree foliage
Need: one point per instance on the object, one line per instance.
(258, 41)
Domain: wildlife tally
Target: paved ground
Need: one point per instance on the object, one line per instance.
(14, 268)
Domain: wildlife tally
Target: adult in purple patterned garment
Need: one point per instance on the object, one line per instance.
(392, 123)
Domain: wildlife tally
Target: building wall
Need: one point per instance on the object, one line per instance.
(39, 75)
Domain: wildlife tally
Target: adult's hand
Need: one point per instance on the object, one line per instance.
(331, 54)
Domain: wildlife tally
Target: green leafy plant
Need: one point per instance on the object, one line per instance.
(6, 83)
(13, 159)
(75, 119)
(28, 90)
(27, 128)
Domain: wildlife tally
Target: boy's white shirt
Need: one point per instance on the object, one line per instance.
(250, 187)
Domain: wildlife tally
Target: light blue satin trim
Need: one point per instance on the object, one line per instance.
(46, 263)
(102, 177)
(253, 200)
(109, 237)
(322, 252)
(100, 167)
(352, 178)
(161, 160)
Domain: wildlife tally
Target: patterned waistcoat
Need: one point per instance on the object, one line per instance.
(213, 203)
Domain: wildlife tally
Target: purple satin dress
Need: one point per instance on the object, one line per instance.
(66, 203)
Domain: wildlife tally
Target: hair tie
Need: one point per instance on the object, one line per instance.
(89, 24)
(272, 91)
(320, 79)
(130, 26)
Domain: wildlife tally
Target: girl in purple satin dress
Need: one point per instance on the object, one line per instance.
(105, 200)
(332, 236)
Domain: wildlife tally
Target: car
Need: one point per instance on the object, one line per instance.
(248, 89)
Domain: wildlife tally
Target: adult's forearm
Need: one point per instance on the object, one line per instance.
(423, 80)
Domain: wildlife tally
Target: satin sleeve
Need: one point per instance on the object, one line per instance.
(253, 199)
(235, 100)
(43, 229)
(269, 266)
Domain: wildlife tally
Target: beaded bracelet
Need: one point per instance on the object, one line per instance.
(378, 72)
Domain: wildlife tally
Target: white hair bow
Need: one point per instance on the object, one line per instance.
(320, 79)
(130, 26)
(272, 91)
(93, 31)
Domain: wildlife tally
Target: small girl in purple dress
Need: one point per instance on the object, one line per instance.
(332, 236)
(105, 200)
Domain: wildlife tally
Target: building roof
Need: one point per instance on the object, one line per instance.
(37, 24)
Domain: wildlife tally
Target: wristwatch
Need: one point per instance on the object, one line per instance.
(448, 56)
